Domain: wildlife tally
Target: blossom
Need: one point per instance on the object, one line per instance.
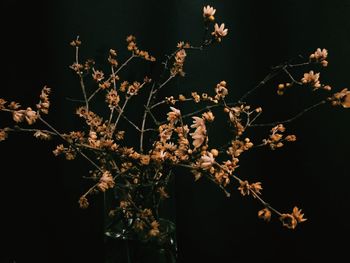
(200, 134)
(42, 135)
(44, 104)
(154, 229)
(30, 116)
(312, 79)
(18, 116)
(209, 12)
(106, 181)
(320, 56)
(144, 159)
(3, 135)
(265, 214)
(174, 115)
(288, 221)
(219, 31)
(291, 220)
(221, 90)
(177, 68)
(83, 202)
(112, 98)
(2, 103)
(133, 88)
(245, 188)
(98, 75)
(341, 98)
(206, 161)
(208, 116)
(298, 215)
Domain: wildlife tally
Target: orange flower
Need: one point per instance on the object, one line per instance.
(265, 214)
(244, 188)
(106, 181)
(83, 202)
(298, 215)
(288, 221)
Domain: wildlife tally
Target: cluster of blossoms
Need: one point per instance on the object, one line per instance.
(140, 172)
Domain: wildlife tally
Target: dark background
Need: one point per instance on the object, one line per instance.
(41, 221)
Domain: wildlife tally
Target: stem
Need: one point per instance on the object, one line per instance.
(120, 113)
(75, 147)
(81, 79)
(164, 83)
(151, 93)
(165, 101)
(291, 119)
(270, 76)
(19, 129)
(113, 75)
(125, 63)
(291, 77)
(82, 85)
(252, 191)
(93, 94)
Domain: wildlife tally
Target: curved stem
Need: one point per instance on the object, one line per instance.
(290, 119)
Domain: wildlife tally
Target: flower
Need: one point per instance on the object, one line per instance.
(341, 98)
(83, 202)
(97, 75)
(206, 161)
(320, 56)
(298, 215)
(112, 98)
(221, 90)
(265, 214)
(288, 221)
(312, 79)
(42, 135)
(3, 135)
(200, 134)
(2, 103)
(18, 116)
(245, 188)
(209, 12)
(106, 181)
(30, 116)
(219, 32)
(292, 220)
(174, 115)
(208, 116)
(154, 229)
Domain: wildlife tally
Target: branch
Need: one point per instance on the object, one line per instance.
(75, 147)
(290, 119)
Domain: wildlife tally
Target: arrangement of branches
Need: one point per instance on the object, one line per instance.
(138, 176)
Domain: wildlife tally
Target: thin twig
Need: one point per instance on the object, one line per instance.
(290, 119)
(151, 93)
(94, 93)
(19, 129)
(270, 76)
(121, 110)
(165, 101)
(74, 146)
(81, 78)
(125, 63)
(256, 195)
(291, 77)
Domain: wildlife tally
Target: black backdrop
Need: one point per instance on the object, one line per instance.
(40, 218)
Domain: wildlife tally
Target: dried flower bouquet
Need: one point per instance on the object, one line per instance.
(138, 175)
